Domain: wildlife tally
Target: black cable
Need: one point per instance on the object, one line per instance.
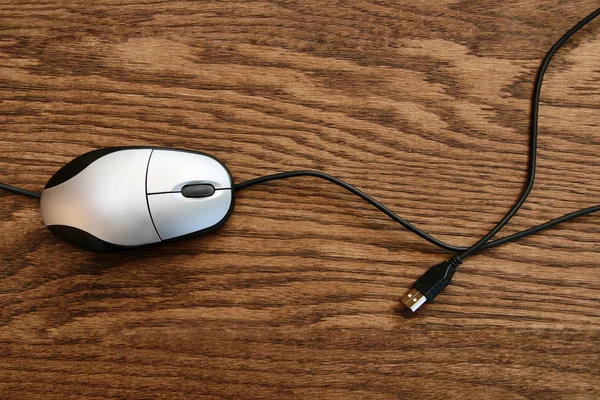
(483, 243)
(408, 225)
(20, 191)
(380, 207)
(539, 228)
(535, 105)
(356, 191)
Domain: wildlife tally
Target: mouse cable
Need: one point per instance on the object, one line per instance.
(438, 277)
(20, 191)
(484, 242)
(382, 208)
(414, 229)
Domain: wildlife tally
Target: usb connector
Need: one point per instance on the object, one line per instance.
(430, 284)
(413, 299)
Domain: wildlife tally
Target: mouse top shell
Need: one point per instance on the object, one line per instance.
(125, 197)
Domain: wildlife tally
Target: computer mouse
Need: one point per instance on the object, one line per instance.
(128, 197)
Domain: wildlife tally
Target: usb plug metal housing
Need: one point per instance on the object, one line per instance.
(413, 299)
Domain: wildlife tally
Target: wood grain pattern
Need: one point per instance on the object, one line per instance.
(422, 104)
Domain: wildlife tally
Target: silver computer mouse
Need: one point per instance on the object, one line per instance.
(127, 197)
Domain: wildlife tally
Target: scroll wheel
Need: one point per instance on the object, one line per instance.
(198, 190)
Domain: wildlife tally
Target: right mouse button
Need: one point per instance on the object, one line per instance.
(175, 215)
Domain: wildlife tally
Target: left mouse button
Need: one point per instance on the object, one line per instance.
(171, 170)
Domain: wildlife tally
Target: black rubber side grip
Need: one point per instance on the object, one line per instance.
(82, 239)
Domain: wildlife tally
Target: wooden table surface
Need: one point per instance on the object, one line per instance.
(424, 105)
